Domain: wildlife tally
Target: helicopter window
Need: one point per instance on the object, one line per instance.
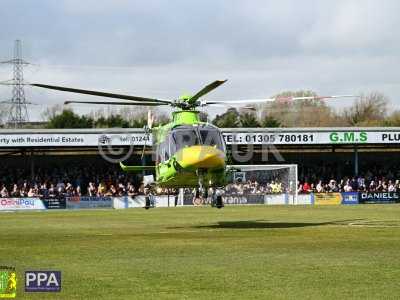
(159, 153)
(211, 137)
(172, 146)
(185, 138)
(162, 152)
(166, 151)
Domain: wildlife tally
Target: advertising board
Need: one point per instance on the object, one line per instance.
(327, 198)
(350, 198)
(304, 199)
(88, 202)
(231, 137)
(378, 197)
(73, 140)
(54, 203)
(276, 199)
(140, 201)
(233, 198)
(21, 204)
(287, 137)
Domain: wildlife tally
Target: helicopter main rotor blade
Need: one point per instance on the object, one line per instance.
(233, 102)
(101, 94)
(207, 89)
(116, 103)
(290, 98)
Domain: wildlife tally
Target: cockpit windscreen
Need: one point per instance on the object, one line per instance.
(190, 136)
(211, 137)
(185, 138)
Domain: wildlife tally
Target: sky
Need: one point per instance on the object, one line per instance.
(167, 48)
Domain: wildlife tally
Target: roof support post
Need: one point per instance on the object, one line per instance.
(355, 161)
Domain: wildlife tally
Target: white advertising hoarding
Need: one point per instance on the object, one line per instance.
(21, 204)
(281, 137)
(73, 140)
(313, 137)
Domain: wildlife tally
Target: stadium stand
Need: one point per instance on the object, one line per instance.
(50, 162)
(109, 180)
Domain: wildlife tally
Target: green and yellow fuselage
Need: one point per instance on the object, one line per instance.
(191, 164)
(195, 164)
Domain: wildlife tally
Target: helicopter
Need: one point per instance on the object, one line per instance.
(189, 153)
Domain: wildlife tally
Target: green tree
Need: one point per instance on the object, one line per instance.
(112, 121)
(68, 119)
(249, 120)
(229, 119)
(270, 122)
(138, 122)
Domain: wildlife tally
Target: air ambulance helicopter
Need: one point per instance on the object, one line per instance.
(189, 153)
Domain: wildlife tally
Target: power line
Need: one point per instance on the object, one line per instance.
(18, 112)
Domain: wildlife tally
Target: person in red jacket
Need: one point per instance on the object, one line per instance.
(306, 187)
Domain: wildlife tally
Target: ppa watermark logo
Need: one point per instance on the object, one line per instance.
(42, 281)
(8, 282)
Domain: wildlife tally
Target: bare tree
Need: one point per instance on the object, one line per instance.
(4, 112)
(137, 115)
(393, 119)
(51, 112)
(369, 110)
(301, 113)
(133, 113)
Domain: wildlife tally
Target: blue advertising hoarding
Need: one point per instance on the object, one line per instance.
(378, 197)
(350, 198)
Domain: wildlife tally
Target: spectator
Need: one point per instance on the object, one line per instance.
(78, 191)
(15, 191)
(34, 192)
(52, 191)
(131, 190)
(101, 190)
(354, 184)
(320, 187)
(4, 192)
(347, 187)
(92, 189)
(306, 187)
(300, 188)
(391, 187)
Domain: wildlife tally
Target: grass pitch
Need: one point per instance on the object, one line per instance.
(239, 252)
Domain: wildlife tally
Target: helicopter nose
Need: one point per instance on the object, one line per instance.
(201, 156)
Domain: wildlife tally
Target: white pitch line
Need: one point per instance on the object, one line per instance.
(371, 224)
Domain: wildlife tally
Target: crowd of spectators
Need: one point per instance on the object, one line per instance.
(69, 182)
(255, 187)
(354, 184)
(324, 179)
(112, 181)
